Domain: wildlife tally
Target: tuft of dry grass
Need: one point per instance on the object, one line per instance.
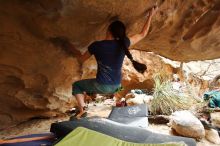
(167, 100)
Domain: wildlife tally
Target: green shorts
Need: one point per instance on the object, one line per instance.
(91, 86)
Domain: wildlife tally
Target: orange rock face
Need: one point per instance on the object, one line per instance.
(36, 76)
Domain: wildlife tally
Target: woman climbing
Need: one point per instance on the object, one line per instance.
(109, 54)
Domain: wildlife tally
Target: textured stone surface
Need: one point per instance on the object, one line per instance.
(186, 124)
(215, 117)
(181, 30)
(36, 77)
(212, 136)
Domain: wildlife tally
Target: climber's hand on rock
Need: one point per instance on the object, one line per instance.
(153, 11)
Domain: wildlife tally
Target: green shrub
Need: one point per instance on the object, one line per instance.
(166, 100)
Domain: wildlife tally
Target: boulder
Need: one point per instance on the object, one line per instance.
(212, 136)
(215, 118)
(186, 124)
(134, 99)
(36, 77)
(181, 30)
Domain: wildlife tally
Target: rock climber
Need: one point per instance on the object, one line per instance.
(109, 54)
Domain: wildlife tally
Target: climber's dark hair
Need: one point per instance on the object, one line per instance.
(118, 31)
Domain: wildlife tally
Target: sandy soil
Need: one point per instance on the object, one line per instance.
(101, 110)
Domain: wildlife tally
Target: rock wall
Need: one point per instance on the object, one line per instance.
(181, 30)
(36, 76)
(34, 81)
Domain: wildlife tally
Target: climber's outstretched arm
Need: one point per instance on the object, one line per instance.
(137, 37)
(84, 57)
(71, 48)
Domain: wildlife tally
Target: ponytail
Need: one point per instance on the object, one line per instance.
(140, 67)
(118, 31)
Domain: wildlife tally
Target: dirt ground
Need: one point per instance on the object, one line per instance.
(102, 110)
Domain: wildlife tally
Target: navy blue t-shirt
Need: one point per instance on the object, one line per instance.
(109, 56)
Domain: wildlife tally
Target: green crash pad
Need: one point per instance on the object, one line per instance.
(86, 137)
